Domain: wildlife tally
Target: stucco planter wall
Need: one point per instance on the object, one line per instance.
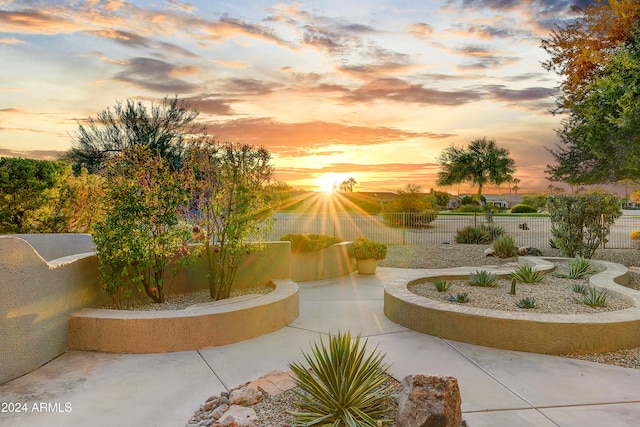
(333, 261)
(522, 331)
(204, 325)
(37, 296)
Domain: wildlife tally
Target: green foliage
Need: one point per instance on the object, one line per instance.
(470, 208)
(594, 298)
(527, 274)
(142, 231)
(528, 302)
(163, 128)
(230, 205)
(345, 387)
(460, 297)
(522, 208)
(363, 248)
(635, 236)
(441, 197)
(423, 208)
(538, 201)
(28, 191)
(301, 243)
(579, 288)
(504, 247)
(580, 223)
(577, 268)
(483, 279)
(478, 235)
(481, 163)
(441, 285)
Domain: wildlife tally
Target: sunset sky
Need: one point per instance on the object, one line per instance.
(368, 89)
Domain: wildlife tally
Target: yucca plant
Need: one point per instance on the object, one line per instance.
(472, 235)
(527, 274)
(594, 298)
(461, 297)
(441, 285)
(345, 386)
(528, 302)
(483, 279)
(579, 288)
(577, 268)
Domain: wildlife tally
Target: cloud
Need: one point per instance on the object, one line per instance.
(394, 89)
(155, 75)
(420, 30)
(303, 139)
(503, 93)
(32, 21)
(32, 154)
(12, 40)
(211, 104)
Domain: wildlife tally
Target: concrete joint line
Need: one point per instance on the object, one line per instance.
(212, 371)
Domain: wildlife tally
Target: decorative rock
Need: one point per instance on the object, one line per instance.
(489, 252)
(529, 250)
(219, 411)
(275, 382)
(429, 401)
(245, 396)
(238, 416)
(205, 423)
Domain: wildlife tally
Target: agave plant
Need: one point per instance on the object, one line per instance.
(577, 268)
(483, 279)
(579, 288)
(528, 302)
(594, 298)
(461, 297)
(345, 387)
(441, 285)
(527, 274)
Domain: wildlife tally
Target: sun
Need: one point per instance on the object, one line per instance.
(328, 182)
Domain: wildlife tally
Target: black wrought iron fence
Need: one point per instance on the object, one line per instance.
(413, 229)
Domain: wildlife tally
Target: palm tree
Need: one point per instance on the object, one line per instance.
(481, 163)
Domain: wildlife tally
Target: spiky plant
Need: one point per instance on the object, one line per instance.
(441, 285)
(461, 297)
(345, 386)
(528, 302)
(483, 279)
(577, 268)
(527, 274)
(503, 246)
(579, 288)
(594, 298)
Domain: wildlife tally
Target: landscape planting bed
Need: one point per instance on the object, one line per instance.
(519, 330)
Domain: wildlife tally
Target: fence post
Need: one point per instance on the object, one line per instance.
(602, 231)
(404, 229)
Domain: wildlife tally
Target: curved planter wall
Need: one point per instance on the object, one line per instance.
(204, 325)
(521, 331)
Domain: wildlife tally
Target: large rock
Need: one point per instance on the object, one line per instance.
(429, 401)
(245, 396)
(529, 250)
(238, 416)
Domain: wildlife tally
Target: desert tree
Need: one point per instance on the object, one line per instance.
(165, 128)
(480, 164)
(230, 205)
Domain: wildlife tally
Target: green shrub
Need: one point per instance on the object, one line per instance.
(594, 298)
(461, 298)
(579, 288)
(470, 208)
(528, 302)
(345, 387)
(577, 268)
(527, 274)
(441, 285)
(580, 223)
(478, 235)
(503, 247)
(484, 279)
(522, 208)
(309, 242)
(363, 248)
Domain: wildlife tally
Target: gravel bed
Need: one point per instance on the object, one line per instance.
(182, 301)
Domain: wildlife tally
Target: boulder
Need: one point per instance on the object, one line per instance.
(489, 252)
(245, 396)
(429, 401)
(238, 416)
(529, 250)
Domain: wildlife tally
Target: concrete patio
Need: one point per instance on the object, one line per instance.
(499, 387)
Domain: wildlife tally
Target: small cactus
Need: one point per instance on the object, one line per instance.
(513, 287)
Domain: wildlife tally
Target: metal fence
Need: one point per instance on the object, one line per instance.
(407, 230)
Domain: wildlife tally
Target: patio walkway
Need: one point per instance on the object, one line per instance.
(499, 388)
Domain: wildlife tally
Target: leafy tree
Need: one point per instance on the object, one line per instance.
(581, 223)
(79, 205)
(27, 188)
(442, 198)
(229, 205)
(538, 201)
(164, 128)
(481, 163)
(599, 58)
(410, 199)
(142, 231)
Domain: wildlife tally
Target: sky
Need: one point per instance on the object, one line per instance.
(368, 89)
